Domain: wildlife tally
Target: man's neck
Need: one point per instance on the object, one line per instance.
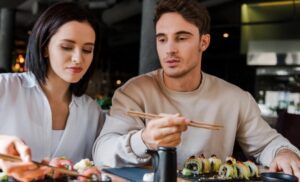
(185, 83)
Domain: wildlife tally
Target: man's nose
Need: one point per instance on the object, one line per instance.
(172, 48)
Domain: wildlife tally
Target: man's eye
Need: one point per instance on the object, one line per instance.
(181, 38)
(162, 40)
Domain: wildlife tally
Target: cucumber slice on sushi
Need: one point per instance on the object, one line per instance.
(230, 160)
(243, 171)
(194, 164)
(205, 164)
(253, 168)
(228, 171)
(215, 163)
(3, 176)
(186, 172)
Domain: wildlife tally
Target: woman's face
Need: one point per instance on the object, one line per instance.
(70, 51)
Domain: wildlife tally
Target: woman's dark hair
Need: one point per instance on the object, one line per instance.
(45, 27)
(190, 10)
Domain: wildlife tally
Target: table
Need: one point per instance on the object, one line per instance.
(119, 179)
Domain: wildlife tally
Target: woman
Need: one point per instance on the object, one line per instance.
(44, 112)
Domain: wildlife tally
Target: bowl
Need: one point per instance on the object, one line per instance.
(277, 177)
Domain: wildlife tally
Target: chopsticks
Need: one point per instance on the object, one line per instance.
(196, 124)
(13, 158)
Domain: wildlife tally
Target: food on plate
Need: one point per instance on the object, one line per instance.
(86, 167)
(83, 164)
(228, 171)
(230, 160)
(205, 164)
(215, 163)
(3, 176)
(60, 162)
(253, 168)
(148, 177)
(194, 164)
(92, 172)
(186, 172)
(214, 168)
(243, 171)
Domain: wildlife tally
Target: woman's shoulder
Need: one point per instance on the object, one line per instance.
(16, 79)
(87, 103)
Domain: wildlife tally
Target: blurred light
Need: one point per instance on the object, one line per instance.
(278, 3)
(17, 66)
(281, 72)
(118, 82)
(225, 35)
(20, 58)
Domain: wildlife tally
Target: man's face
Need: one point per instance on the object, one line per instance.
(179, 45)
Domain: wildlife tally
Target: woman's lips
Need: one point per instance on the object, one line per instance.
(75, 69)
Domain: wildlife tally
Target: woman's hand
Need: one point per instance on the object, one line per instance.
(92, 172)
(14, 146)
(24, 170)
(60, 162)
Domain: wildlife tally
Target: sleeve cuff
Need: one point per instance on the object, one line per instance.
(138, 146)
(289, 147)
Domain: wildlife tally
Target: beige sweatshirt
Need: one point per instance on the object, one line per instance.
(215, 101)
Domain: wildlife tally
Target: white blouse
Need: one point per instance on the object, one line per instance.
(56, 137)
(25, 113)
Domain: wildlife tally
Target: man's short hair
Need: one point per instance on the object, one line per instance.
(190, 10)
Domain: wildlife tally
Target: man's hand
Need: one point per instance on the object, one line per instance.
(24, 170)
(286, 161)
(165, 131)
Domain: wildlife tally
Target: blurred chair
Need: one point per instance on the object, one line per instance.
(289, 126)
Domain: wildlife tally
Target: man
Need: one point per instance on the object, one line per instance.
(182, 89)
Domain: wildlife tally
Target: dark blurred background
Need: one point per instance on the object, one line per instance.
(248, 38)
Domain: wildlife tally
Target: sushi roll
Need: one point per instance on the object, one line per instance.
(228, 171)
(148, 177)
(230, 160)
(194, 164)
(243, 171)
(92, 172)
(205, 164)
(215, 163)
(253, 168)
(3, 177)
(186, 172)
(60, 162)
(83, 164)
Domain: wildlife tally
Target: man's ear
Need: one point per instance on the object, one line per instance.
(204, 42)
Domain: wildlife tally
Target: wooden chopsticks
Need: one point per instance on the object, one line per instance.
(196, 124)
(13, 158)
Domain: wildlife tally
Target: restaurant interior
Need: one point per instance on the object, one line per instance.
(255, 45)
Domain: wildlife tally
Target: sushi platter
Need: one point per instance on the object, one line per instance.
(214, 177)
(199, 168)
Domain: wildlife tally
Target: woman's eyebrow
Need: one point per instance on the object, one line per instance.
(72, 41)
